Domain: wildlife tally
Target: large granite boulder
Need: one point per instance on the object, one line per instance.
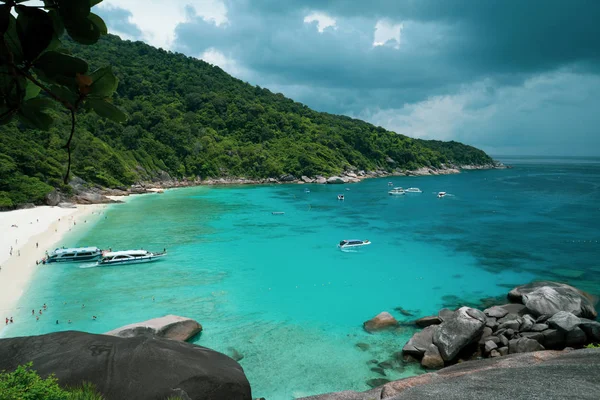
(383, 320)
(142, 367)
(524, 345)
(565, 321)
(591, 329)
(169, 327)
(548, 298)
(515, 376)
(420, 342)
(456, 332)
(335, 180)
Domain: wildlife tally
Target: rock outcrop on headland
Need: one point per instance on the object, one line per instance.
(551, 316)
(540, 375)
(168, 327)
(143, 367)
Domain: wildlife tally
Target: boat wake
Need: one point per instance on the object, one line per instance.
(88, 265)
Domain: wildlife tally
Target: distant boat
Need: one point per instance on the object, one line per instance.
(390, 183)
(306, 190)
(345, 244)
(278, 213)
(441, 194)
(413, 190)
(129, 257)
(340, 197)
(73, 254)
(396, 191)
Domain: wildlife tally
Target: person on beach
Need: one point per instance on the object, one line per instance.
(11, 320)
(19, 253)
(37, 262)
(37, 245)
(93, 317)
(56, 322)
(32, 312)
(37, 319)
(40, 312)
(45, 307)
(7, 321)
(83, 306)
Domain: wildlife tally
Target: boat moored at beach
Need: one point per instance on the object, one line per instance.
(130, 257)
(347, 244)
(397, 191)
(413, 190)
(73, 254)
(441, 194)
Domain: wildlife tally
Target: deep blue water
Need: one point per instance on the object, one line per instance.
(276, 289)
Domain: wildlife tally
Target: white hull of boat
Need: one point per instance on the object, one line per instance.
(128, 261)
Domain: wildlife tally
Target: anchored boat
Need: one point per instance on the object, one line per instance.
(129, 257)
(73, 254)
(413, 190)
(347, 244)
(397, 191)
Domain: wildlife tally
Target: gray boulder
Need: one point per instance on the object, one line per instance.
(53, 198)
(591, 329)
(169, 327)
(539, 327)
(464, 327)
(526, 323)
(518, 309)
(426, 321)
(445, 313)
(553, 339)
(514, 325)
(524, 345)
(287, 178)
(515, 376)
(548, 297)
(432, 358)
(383, 320)
(335, 180)
(490, 345)
(495, 311)
(420, 342)
(564, 321)
(576, 338)
(141, 367)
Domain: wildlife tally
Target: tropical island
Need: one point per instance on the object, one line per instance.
(189, 120)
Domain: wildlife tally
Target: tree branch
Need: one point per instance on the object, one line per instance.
(46, 90)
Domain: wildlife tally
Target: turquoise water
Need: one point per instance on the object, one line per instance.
(277, 290)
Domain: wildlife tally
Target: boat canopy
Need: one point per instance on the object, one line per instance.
(63, 250)
(133, 253)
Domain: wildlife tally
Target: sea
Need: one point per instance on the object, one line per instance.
(276, 290)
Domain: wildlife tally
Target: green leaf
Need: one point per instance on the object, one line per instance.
(54, 64)
(4, 17)
(105, 83)
(107, 110)
(59, 27)
(35, 29)
(64, 93)
(83, 31)
(12, 42)
(99, 22)
(31, 114)
(31, 90)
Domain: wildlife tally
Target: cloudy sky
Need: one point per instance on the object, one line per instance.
(508, 76)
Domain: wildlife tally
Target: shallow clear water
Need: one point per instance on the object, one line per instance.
(276, 289)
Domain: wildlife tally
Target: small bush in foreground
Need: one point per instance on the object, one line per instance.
(25, 384)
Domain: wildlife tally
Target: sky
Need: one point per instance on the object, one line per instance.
(507, 76)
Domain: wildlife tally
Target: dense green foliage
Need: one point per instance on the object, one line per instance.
(25, 384)
(188, 118)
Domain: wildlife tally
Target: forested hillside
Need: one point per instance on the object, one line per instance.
(188, 118)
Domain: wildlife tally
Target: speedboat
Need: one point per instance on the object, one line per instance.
(396, 191)
(441, 194)
(346, 244)
(278, 213)
(340, 197)
(306, 190)
(413, 190)
(73, 254)
(129, 257)
(390, 183)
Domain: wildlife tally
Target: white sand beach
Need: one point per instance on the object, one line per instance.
(28, 234)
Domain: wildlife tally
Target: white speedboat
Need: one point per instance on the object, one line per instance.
(413, 190)
(73, 254)
(397, 191)
(340, 197)
(129, 257)
(390, 183)
(441, 194)
(347, 244)
(306, 190)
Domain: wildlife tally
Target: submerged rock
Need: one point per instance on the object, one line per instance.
(383, 320)
(362, 346)
(427, 321)
(377, 382)
(140, 367)
(169, 327)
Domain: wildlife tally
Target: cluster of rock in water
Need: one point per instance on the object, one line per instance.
(541, 315)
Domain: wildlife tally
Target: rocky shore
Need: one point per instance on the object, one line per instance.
(86, 194)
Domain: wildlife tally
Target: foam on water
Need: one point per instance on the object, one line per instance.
(276, 289)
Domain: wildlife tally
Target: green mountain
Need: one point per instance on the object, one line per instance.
(188, 118)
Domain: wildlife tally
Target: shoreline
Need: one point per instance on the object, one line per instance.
(30, 232)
